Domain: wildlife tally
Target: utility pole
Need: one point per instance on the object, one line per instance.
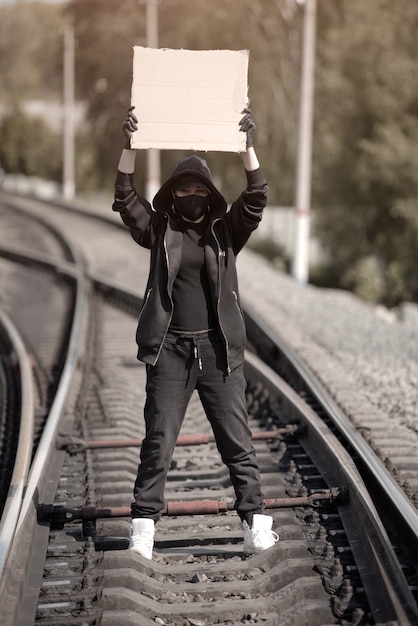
(153, 179)
(68, 183)
(300, 269)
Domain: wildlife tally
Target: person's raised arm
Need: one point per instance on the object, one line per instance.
(124, 184)
(127, 158)
(246, 212)
(247, 126)
(134, 210)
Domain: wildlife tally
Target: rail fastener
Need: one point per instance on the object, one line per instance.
(59, 515)
(73, 445)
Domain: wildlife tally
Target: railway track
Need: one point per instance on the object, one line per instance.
(343, 556)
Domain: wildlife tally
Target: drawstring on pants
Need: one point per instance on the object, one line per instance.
(197, 357)
(192, 344)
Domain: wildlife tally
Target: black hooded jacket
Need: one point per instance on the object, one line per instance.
(226, 234)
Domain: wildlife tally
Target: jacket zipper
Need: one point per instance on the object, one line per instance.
(171, 300)
(238, 306)
(220, 253)
(147, 295)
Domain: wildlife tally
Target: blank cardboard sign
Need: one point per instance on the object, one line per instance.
(189, 99)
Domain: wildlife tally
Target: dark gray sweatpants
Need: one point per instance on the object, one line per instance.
(189, 362)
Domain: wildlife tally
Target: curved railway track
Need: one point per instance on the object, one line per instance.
(343, 557)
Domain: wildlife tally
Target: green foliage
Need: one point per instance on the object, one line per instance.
(86, 174)
(270, 250)
(28, 146)
(30, 51)
(366, 157)
(104, 73)
(365, 165)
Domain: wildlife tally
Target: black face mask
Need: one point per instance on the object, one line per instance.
(191, 207)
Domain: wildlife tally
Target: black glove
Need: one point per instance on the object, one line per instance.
(247, 125)
(129, 126)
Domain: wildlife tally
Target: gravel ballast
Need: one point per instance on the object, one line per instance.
(366, 355)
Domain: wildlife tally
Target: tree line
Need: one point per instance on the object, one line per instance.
(365, 157)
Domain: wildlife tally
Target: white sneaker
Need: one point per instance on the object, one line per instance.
(260, 536)
(142, 536)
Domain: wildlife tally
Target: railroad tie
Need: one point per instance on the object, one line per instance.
(73, 445)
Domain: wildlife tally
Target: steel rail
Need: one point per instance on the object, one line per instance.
(387, 484)
(44, 470)
(24, 448)
(386, 587)
(385, 567)
(21, 203)
(54, 417)
(40, 259)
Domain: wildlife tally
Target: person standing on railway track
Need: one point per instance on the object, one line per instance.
(191, 333)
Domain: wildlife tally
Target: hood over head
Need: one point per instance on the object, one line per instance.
(197, 168)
